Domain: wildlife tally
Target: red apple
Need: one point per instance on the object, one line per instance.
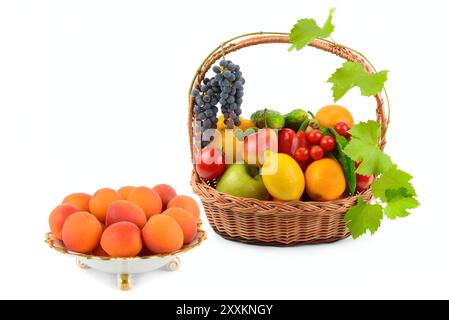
(210, 164)
(256, 144)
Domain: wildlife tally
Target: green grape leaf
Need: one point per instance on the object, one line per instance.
(368, 132)
(363, 148)
(306, 30)
(372, 84)
(364, 217)
(398, 202)
(393, 179)
(374, 161)
(353, 74)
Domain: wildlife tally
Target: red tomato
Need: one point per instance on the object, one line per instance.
(210, 163)
(314, 136)
(342, 129)
(302, 154)
(317, 153)
(363, 182)
(327, 143)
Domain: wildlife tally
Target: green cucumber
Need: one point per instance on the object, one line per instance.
(268, 118)
(347, 164)
(304, 125)
(294, 119)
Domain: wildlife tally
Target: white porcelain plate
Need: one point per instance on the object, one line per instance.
(125, 267)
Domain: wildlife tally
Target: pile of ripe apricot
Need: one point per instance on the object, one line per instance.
(129, 222)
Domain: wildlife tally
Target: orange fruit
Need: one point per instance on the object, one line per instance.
(80, 200)
(329, 116)
(58, 216)
(162, 234)
(148, 199)
(126, 191)
(166, 192)
(185, 202)
(81, 232)
(122, 239)
(325, 180)
(185, 220)
(124, 210)
(100, 201)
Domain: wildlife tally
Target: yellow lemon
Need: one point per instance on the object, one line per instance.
(282, 177)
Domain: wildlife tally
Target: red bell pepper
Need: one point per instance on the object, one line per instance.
(289, 141)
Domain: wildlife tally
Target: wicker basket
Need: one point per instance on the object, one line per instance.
(267, 222)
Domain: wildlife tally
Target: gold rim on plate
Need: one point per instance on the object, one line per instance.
(59, 246)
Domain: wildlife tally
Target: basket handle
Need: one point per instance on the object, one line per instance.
(262, 38)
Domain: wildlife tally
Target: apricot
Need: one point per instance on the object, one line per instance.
(185, 220)
(58, 216)
(99, 252)
(122, 240)
(81, 200)
(81, 232)
(162, 234)
(186, 202)
(148, 199)
(124, 210)
(125, 191)
(166, 193)
(100, 201)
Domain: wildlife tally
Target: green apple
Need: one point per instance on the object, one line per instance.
(241, 180)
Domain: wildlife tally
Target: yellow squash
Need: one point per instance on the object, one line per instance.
(246, 124)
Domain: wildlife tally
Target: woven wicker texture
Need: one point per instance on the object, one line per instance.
(267, 222)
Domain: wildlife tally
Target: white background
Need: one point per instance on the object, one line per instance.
(94, 94)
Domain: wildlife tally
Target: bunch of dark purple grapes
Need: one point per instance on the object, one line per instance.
(226, 88)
